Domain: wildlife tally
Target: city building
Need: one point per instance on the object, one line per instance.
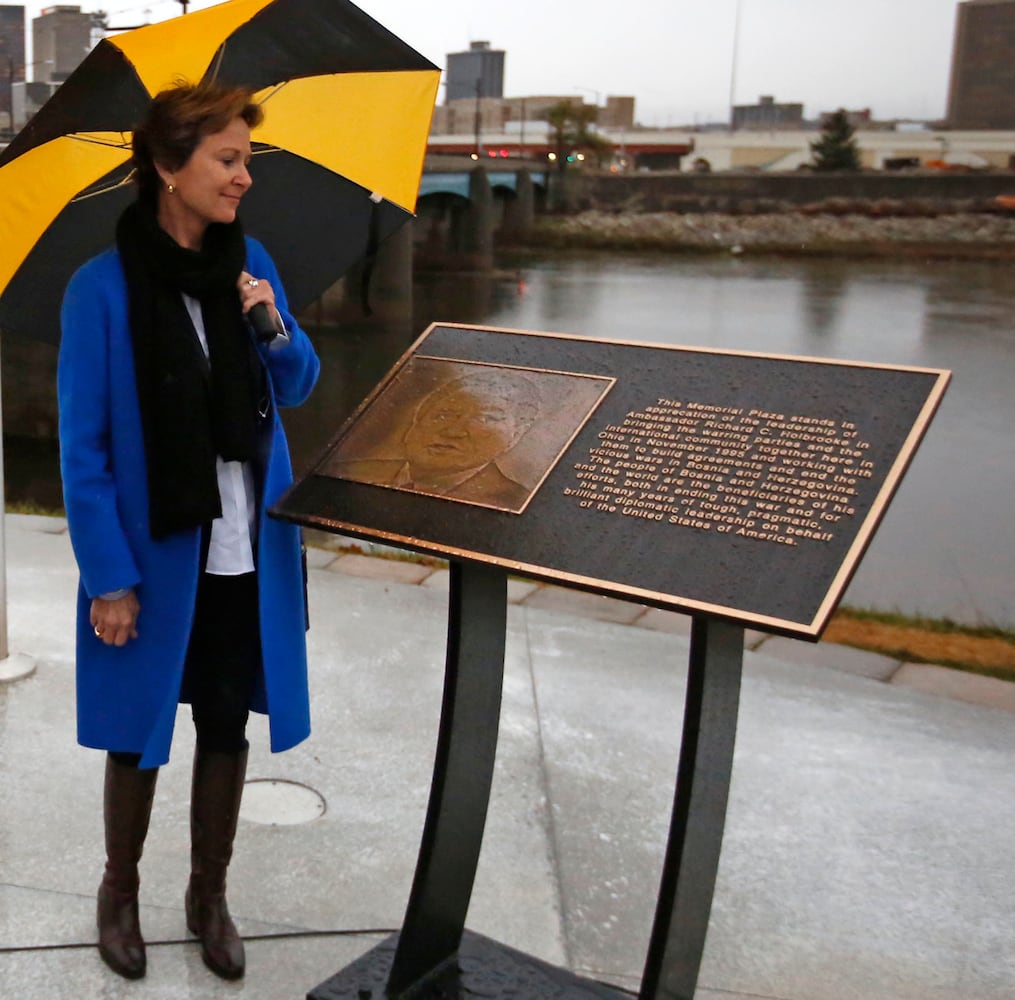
(474, 102)
(12, 59)
(497, 114)
(755, 151)
(468, 116)
(766, 114)
(477, 73)
(27, 98)
(981, 94)
(617, 113)
(61, 38)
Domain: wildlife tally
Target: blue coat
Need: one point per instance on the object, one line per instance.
(127, 697)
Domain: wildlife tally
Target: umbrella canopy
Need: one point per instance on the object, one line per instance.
(336, 164)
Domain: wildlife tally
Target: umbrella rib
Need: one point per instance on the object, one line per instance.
(274, 91)
(81, 137)
(104, 190)
(214, 69)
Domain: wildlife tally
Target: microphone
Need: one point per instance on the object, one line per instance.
(263, 322)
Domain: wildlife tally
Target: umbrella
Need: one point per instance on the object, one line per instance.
(336, 167)
(336, 163)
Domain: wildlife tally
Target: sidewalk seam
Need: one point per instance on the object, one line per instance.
(544, 787)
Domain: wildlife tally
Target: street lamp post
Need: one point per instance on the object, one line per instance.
(733, 64)
(38, 62)
(478, 117)
(6, 54)
(578, 86)
(10, 93)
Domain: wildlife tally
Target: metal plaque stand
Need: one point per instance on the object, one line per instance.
(699, 811)
(434, 957)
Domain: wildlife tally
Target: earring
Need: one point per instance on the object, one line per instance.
(171, 188)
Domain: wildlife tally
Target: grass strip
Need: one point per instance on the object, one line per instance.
(984, 649)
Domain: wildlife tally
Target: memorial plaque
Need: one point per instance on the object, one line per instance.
(739, 485)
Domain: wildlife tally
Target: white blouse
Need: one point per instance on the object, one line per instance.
(231, 548)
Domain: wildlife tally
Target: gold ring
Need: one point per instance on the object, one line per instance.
(98, 631)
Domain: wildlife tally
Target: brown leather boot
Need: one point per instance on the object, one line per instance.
(214, 811)
(127, 807)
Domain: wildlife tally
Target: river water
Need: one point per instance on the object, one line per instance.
(945, 547)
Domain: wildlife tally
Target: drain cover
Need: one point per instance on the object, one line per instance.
(280, 803)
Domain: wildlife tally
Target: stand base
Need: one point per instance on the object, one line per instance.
(16, 666)
(482, 968)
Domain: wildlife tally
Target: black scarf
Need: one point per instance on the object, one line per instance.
(193, 408)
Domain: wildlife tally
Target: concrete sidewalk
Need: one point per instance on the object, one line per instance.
(867, 849)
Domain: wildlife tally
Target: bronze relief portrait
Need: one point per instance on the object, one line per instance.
(474, 433)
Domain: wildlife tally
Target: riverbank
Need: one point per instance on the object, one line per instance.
(972, 235)
(988, 651)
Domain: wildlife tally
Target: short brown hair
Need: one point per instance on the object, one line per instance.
(178, 118)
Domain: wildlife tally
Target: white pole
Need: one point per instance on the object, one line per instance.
(3, 543)
(733, 65)
(12, 668)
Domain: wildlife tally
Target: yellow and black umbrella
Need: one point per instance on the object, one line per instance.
(337, 161)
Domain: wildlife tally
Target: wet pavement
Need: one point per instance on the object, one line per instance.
(867, 848)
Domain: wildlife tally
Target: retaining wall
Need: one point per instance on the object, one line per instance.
(749, 193)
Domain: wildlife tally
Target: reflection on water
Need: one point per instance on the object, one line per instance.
(822, 295)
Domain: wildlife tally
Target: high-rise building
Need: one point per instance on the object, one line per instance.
(61, 38)
(982, 90)
(12, 57)
(476, 73)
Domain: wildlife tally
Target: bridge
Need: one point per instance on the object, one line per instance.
(463, 204)
(463, 208)
(457, 180)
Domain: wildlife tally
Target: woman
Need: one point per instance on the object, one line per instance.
(171, 451)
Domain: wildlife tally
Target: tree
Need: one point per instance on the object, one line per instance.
(572, 133)
(837, 148)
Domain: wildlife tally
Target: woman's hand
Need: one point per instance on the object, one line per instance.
(254, 290)
(114, 622)
(256, 294)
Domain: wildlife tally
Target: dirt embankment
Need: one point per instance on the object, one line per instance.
(961, 235)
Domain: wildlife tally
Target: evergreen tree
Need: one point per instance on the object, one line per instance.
(837, 148)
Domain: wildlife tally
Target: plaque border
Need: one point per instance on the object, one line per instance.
(848, 564)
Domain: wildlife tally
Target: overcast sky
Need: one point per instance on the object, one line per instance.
(676, 57)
